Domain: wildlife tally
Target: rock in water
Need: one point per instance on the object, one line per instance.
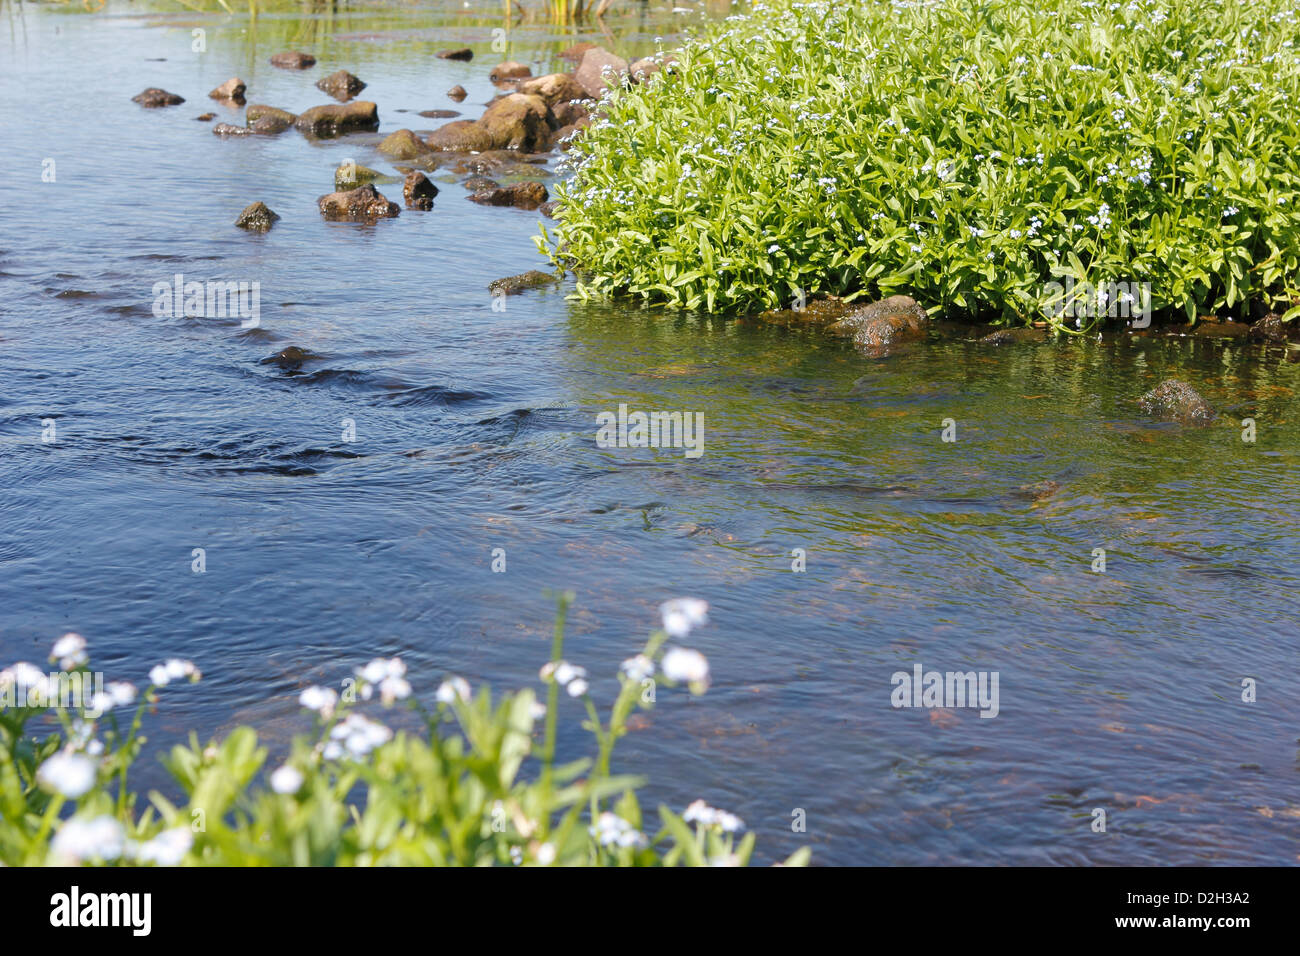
(463, 53)
(403, 144)
(554, 88)
(293, 60)
(349, 175)
(341, 85)
(521, 195)
(227, 129)
(600, 70)
(1173, 400)
(363, 204)
(418, 191)
(510, 70)
(233, 90)
(457, 93)
(153, 98)
(335, 120)
(877, 327)
(256, 217)
(513, 285)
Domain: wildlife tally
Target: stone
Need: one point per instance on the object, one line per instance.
(509, 70)
(457, 93)
(403, 144)
(600, 70)
(154, 98)
(520, 195)
(335, 119)
(1173, 400)
(462, 53)
(341, 85)
(363, 204)
(257, 218)
(513, 285)
(418, 191)
(877, 327)
(233, 89)
(293, 60)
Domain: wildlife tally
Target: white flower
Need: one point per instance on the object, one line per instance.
(705, 815)
(546, 854)
(98, 839)
(680, 615)
(320, 699)
(359, 735)
(393, 688)
(380, 669)
(70, 774)
(612, 830)
(167, 848)
(537, 711)
(173, 669)
(332, 750)
(286, 779)
(577, 687)
(70, 650)
(452, 688)
(118, 693)
(31, 685)
(686, 666)
(638, 668)
(158, 676)
(565, 672)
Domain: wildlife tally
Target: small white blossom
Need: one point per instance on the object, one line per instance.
(69, 774)
(452, 688)
(286, 779)
(681, 615)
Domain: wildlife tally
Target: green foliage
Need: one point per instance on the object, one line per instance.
(353, 792)
(968, 153)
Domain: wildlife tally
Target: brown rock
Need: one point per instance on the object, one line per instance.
(478, 183)
(438, 114)
(600, 70)
(403, 144)
(335, 120)
(460, 136)
(509, 70)
(1270, 328)
(570, 113)
(341, 85)
(293, 60)
(153, 98)
(554, 88)
(457, 93)
(877, 327)
(520, 121)
(257, 111)
(256, 217)
(228, 129)
(464, 53)
(232, 89)
(521, 195)
(576, 52)
(206, 117)
(418, 191)
(363, 204)
(513, 285)
(641, 70)
(550, 209)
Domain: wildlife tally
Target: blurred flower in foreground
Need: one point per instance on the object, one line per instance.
(681, 615)
(69, 774)
(685, 666)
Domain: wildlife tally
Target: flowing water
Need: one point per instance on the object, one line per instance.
(475, 430)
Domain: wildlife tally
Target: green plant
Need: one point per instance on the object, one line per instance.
(967, 152)
(353, 792)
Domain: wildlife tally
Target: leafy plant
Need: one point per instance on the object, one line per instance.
(970, 154)
(354, 792)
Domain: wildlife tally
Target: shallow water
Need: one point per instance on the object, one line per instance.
(475, 430)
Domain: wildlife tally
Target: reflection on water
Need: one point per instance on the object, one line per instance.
(475, 430)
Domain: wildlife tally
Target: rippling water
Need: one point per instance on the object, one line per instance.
(475, 430)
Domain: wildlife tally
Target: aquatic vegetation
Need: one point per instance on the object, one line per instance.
(972, 155)
(354, 791)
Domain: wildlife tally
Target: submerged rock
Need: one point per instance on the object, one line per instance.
(457, 93)
(335, 120)
(513, 285)
(153, 98)
(229, 129)
(509, 70)
(418, 191)
(349, 176)
(256, 217)
(268, 120)
(233, 89)
(206, 117)
(551, 209)
(289, 358)
(476, 183)
(341, 85)
(877, 327)
(599, 70)
(363, 204)
(403, 144)
(521, 195)
(463, 53)
(1173, 400)
(438, 114)
(293, 60)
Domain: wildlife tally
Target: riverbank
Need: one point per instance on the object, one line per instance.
(1008, 162)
